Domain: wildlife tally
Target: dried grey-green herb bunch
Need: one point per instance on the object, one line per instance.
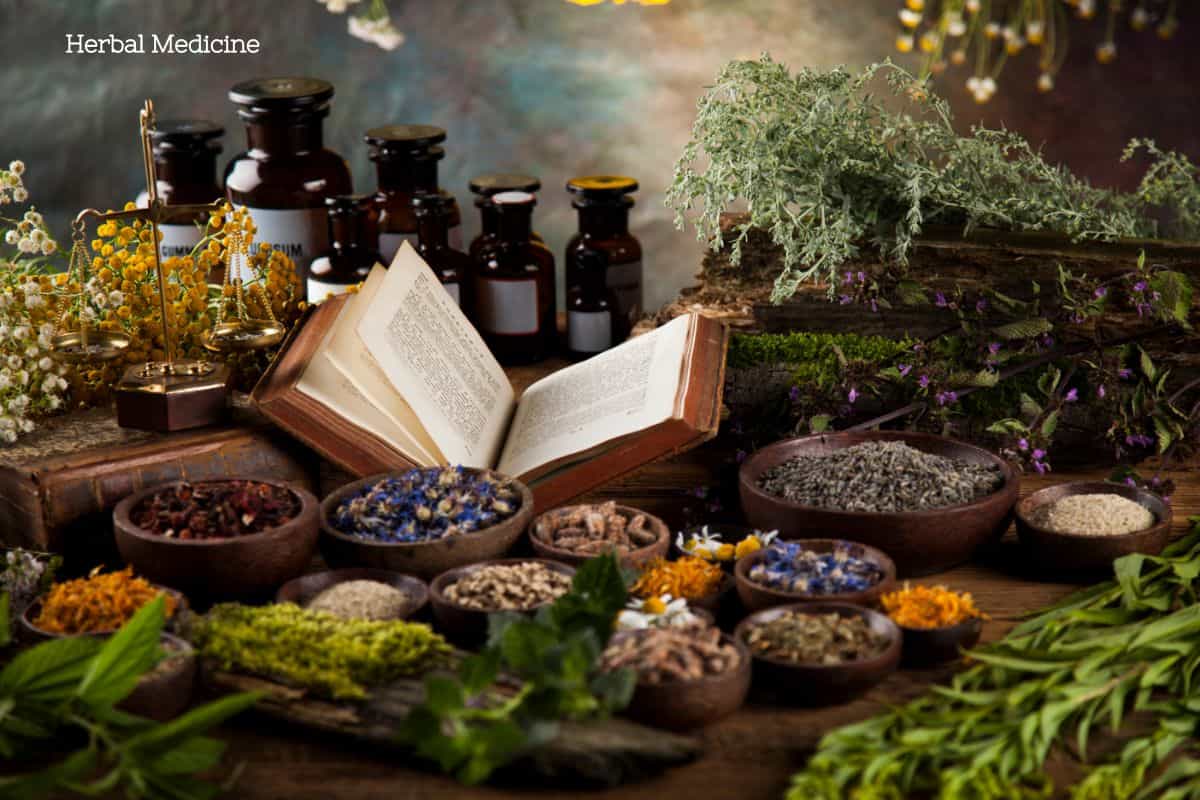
(826, 167)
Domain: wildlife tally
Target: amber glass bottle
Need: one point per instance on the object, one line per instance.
(353, 224)
(185, 161)
(406, 162)
(590, 307)
(286, 174)
(603, 203)
(484, 187)
(513, 286)
(433, 213)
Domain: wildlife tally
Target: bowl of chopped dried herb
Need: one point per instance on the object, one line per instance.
(819, 654)
(927, 501)
(166, 690)
(98, 604)
(1084, 526)
(463, 597)
(573, 534)
(219, 539)
(424, 521)
(687, 677)
(357, 593)
(813, 571)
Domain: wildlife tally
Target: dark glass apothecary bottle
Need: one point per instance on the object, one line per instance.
(286, 173)
(485, 187)
(452, 267)
(513, 286)
(353, 225)
(406, 163)
(590, 307)
(603, 203)
(185, 162)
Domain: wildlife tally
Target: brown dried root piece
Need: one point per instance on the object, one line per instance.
(594, 529)
(661, 655)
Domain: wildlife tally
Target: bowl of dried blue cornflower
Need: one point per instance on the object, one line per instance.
(813, 571)
(424, 521)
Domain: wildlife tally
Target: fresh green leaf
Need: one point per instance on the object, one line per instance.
(1024, 329)
(124, 657)
(819, 423)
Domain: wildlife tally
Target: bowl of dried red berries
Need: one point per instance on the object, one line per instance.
(218, 539)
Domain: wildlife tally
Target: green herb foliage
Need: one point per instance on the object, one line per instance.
(817, 359)
(314, 649)
(825, 167)
(469, 726)
(1082, 666)
(67, 689)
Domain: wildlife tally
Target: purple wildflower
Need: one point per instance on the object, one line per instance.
(1038, 454)
(849, 278)
(946, 397)
(994, 348)
(1100, 391)
(1140, 286)
(905, 369)
(940, 300)
(1124, 374)
(794, 394)
(924, 381)
(874, 306)
(1041, 466)
(845, 299)
(862, 277)
(981, 305)
(1100, 292)
(1072, 395)
(1131, 483)
(1022, 444)
(853, 395)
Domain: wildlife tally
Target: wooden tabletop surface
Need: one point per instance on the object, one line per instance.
(747, 756)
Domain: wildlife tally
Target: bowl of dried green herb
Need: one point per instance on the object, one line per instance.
(927, 501)
(424, 521)
(219, 539)
(819, 653)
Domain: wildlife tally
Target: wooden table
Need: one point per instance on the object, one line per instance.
(750, 755)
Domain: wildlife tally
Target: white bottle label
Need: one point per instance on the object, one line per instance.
(589, 331)
(452, 289)
(178, 240)
(625, 281)
(319, 290)
(507, 307)
(389, 243)
(301, 234)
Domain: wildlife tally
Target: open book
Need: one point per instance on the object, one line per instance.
(396, 376)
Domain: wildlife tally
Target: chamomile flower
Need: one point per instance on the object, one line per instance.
(662, 611)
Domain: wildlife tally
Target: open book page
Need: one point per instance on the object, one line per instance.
(431, 353)
(627, 389)
(325, 383)
(345, 350)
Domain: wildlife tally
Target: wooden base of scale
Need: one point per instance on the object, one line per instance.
(186, 394)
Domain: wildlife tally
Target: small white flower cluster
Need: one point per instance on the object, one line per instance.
(338, 6)
(377, 30)
(981, 89)
(656, 612)
(30, 380)
(30, 237)
(12, 188)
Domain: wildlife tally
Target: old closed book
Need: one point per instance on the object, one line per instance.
(59, 484)
(395, 376)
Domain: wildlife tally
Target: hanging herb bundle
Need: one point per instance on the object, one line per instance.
(825, 168)
(1049, 687)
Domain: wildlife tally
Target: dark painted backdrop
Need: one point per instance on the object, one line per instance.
(532, 85)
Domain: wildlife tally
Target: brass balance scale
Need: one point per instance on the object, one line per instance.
(172, 394)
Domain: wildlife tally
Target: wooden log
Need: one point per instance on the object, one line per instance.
(600, 753)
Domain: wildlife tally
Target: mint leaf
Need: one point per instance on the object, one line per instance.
(49, 672)
(124, 657)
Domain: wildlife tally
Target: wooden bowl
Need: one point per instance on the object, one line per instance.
(423, 559)
(302, 590)
(164, 695)
(755, 596)
(712, 603)
(636, 558)
(919, 542)
(682, 705)
(1069, 552)
(468, 627)
(218, 569)
(925, 647)
(37, 634)
(820, 684)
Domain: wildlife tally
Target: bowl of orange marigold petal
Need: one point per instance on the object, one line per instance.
(702, 583)
(938, 623)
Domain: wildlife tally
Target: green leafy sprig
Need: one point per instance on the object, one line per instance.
(473, 722)
(69, 689)
(1129, 645)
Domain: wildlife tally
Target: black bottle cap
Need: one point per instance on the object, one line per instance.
(406, 141)
(268, 95)
(186, 134)
(432, 203)
(491, 184)
(351, 204)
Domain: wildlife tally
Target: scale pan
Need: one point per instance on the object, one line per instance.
(243, 335)
(100, 345)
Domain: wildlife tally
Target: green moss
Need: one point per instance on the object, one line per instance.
(814, 356)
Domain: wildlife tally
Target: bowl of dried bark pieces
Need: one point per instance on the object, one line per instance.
(462, 598)
(687, 676)
(573, 534)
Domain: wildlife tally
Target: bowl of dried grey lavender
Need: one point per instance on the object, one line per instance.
(424, 521)
(927, 501)
(573, 534)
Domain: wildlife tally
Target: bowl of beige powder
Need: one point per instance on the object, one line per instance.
(1083, 526)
